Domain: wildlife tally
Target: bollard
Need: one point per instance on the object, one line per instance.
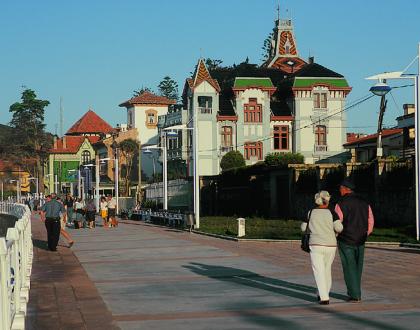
(241, 227)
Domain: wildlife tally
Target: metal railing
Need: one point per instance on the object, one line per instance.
(16, 253)
(204, 110)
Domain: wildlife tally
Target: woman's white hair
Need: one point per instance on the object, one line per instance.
(322, 197)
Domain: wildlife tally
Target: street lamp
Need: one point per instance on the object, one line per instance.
(116, 181)
(36, 186)
(415, 77)
(96, 165)
(380, 89)
(150, 154)
(17, 189)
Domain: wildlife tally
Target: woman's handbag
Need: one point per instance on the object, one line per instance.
(306, 235)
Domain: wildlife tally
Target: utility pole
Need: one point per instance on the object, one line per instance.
(379, 150)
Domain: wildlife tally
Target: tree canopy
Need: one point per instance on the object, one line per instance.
(168, 88)
(141, 91)
(283, 159)
(232, 159)
(129, 150)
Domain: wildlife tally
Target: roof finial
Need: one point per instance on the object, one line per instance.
(278, 11)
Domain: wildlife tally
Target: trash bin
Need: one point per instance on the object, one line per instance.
(241, 227)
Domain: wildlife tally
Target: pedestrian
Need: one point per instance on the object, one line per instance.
(63, 230)
(323, 226)
(358, 221)
(104, 211)
(90, 213)
(112, 204)
(69, 204)
(50, 214)
(78, 214)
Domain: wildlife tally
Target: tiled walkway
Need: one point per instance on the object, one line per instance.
(139, 276)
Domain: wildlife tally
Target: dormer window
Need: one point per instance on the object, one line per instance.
(252, 111)
(205, 104)
(320, 100)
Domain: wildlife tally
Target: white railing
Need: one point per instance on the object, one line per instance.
(204, 110)
(16, 253)
(224, 149)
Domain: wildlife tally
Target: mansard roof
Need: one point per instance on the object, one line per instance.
(317, 70)
(148, 98)
(90, 123)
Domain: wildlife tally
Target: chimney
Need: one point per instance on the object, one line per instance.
(311, 60)
(408, 109)
(55, 142)
(64, 143)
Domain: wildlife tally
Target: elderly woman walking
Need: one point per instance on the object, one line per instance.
(323, 243)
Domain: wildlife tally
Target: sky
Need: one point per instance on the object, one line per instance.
(94, 53)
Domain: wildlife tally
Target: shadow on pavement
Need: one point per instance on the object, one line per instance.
(251, 279)
(403, 250)
(40, 244)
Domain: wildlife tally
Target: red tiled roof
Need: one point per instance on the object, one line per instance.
(72, 144)
(373, 137)
(90, 123)
(148, 98)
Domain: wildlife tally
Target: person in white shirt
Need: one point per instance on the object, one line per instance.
(104, 211)
(323, 227)
(112, 205)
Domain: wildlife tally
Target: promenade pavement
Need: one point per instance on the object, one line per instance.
(140, 276)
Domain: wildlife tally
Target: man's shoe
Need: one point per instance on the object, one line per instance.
(324, 302)
(71, 244)
(354, 300)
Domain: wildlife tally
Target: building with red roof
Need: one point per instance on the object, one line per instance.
(363, 149)
(72, 150)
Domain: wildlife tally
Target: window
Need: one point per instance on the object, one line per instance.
(320, 135)
(226, 136)
(205, 104)
(253, 149)
(320, 100)
(85, 157)
(281, 137)
(252, 111)
(151, 118)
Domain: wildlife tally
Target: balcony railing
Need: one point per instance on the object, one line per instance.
(205, 110)
(224, 149)
(321, 148)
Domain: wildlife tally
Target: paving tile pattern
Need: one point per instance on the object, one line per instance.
(140, 276)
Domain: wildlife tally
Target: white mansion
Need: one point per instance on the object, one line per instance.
(285, 105)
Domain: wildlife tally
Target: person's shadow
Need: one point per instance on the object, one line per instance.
(43, 245)
(254, 280)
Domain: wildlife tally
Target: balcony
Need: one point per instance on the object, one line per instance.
(226, 149)
(204, 110)
(320, 148)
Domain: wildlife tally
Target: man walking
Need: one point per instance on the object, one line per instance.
(50, 214)
(357, 217)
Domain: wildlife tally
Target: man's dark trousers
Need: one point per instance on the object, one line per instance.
(352, 261)
(53, 232)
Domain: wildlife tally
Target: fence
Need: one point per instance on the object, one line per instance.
(16, 252)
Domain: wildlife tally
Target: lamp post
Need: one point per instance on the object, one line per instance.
(96, 166)
(148, 152)
(36, 186)
(415, 77)
(380, 89)
(116, 182)
(17, 189)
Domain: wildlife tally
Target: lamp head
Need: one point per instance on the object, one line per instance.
(380, 89)
(147, 151)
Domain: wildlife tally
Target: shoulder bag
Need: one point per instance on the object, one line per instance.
(306, 235)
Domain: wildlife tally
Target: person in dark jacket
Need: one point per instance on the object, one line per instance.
(357, 217)
(50, 214)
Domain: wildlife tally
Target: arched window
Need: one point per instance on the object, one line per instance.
(85, 157)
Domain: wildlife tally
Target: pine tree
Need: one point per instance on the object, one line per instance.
(168, 88)
(266, 48)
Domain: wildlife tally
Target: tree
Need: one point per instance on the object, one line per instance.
(29, 141)
(283, 159)
(232, 159)
(141, 91)
(266, 48)
(129, 149)
(213, 64)
(168, 88)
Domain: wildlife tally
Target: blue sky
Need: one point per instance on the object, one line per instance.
(94, 53)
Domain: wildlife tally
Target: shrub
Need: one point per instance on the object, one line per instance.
(232, 159)
(283, 159)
